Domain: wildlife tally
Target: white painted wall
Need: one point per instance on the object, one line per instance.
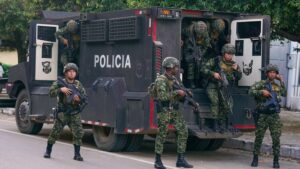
(293, 65)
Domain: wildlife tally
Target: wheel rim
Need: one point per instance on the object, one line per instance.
(23, 113)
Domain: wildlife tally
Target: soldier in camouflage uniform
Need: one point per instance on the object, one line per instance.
(195, 48)
(168, 105)
(217, 37)
(220, 106)
(67, 113)
(70, 38)
(268, 119)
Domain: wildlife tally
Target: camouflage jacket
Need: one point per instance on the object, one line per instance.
(62, 98)
(210, 67)
(256, 90)
(71, 37)
(195, 49)
(164, 87)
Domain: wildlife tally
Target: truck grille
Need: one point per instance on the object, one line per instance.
(123, 28)
(93, 31)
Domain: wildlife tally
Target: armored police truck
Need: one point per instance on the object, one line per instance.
(121, 53)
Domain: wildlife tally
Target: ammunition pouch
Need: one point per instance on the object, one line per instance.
(270, 109)
(69, 110)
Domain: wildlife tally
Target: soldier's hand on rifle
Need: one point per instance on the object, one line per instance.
(66, 91)
(266, 93)
(217, 76)
(181, 93)
(235, 66)
(76, 99)
(65, 42)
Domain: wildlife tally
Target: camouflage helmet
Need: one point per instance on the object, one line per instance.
(70, 66)
(170, 62)
(228, 48)
(72, 26)
(200, 28)
(271, 67)
(218, 25)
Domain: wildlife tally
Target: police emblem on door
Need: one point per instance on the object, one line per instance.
(46, 67)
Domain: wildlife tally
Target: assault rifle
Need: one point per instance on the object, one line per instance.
(271, 105)
(74, 92)
(223, 84)
(188, 96)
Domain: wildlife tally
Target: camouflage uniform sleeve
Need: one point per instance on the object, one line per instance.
(207, 68)
(163, 93)
(54, 89)
(256, 89)
(61, 32)
(82, 90)
(283, 91)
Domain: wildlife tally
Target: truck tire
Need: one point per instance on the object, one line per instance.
(215, 144)
(107, 140)
(134, 142)
(196, 144)
(25, 125)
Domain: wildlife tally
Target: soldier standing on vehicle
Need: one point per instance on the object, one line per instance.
(217, 37)
(267, 94)
(67, 113)
(69, 36)
(195, 47)
(218, 71)
(168, 113)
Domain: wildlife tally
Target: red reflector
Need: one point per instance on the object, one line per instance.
(244, 126)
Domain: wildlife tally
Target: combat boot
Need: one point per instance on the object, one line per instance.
(254, 161)
(77, 155)
(276, 162)
(158, 163)
(181, 162)
(48, 151)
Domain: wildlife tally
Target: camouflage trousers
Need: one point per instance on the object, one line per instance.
(175, 118)
(190, 71)
(265, 121)
(73, 122)
(65, 58)
(218, 106)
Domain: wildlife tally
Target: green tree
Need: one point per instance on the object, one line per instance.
(14, 18)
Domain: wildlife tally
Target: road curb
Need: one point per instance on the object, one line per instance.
(7, 111)
(288, 151)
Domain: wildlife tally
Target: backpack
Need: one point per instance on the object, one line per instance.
(152, 90)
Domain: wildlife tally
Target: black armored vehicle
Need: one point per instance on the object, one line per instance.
(121, 53)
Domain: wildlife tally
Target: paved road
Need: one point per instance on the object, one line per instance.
(19, 151)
